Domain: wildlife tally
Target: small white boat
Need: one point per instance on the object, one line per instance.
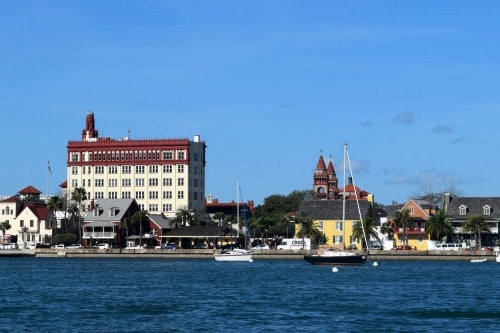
(498, 257)
(478, 260)
(234, 255)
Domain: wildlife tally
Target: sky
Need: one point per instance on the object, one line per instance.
(411, 86)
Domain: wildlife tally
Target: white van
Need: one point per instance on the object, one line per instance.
(448, 247)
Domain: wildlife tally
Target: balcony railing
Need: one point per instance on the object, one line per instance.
(98, 235)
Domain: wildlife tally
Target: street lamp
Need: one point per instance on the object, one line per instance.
(25, 230)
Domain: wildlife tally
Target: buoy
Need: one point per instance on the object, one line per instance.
(250, 260)
(335, 269)
(375, 263)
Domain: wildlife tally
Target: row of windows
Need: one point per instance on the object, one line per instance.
(140, 195)
(127, 169)
(127, 182)
(137, 155)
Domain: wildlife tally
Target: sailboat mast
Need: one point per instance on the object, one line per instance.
(357, 199)
(343, 195)
(238, 208)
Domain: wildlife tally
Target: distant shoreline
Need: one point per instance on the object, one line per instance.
(266, 254)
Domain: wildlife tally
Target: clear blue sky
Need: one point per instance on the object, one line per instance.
(412, 86)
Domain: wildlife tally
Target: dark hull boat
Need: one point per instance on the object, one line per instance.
(329, 257)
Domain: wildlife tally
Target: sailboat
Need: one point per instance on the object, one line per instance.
(334, 256)
(237, 254)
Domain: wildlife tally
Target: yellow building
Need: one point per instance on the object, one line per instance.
(328, 217)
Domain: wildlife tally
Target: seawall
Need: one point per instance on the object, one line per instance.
(265, 254)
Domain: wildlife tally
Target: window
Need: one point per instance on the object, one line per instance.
(153, 195)
(412, 210)
(113, 182)
(99, 182)
(99, 195)
(180, 168)
(139, 182)
(167, 168)
(139, 195)
(180, 182)
(195, 157)
(126, 169)
(126, 182)
(153, 169)
(153, 181)
(139, 169)
(168, 155)
(167, 207)
(126, 195)
(195, 182)
(113, 211)
(113, 195)
(99, 169)
(113, 169)
(74, 183)
(32, 223)
(180, 154)
(153, 207)
(74, 157)
(74, 170)
(167, 194)
(339, 239)
(167, 181)
(339, 225)
(462, 210)
(320, 226)
(486, 210)
(180, 194)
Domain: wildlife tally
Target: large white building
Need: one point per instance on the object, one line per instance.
(162, 175)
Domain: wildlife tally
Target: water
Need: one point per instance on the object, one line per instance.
(188, 295)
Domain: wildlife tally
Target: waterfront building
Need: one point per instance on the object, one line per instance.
(29, 218)
(162, 175)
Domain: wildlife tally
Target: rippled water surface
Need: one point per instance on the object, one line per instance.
(186, 295)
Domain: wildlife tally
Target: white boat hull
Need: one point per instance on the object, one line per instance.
(479, 260)
(234, 255)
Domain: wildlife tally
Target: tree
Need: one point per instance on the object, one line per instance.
(388, 228)
(5, 225)
(55, 203)
(307, 227)
(437, 226)
(403, 220)
(79, 195)
(476, 224)
(183, 218)
(368, 224)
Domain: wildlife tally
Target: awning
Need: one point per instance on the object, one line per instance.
(99, 224)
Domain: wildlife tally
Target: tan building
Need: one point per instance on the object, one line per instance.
(162, 175)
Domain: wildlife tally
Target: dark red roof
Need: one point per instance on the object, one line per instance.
(30, 190)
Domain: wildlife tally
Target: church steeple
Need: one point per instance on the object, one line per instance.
(325, 185)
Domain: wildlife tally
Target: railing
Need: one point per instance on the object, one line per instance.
(97, 235)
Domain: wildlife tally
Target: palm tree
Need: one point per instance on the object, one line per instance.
(437, 226)
(368, 224)
(183, 218)
(79, 195)
(219, 217)
(55, 203)
(403, 220)
(388, 228)
(477, 224)
(307, 227)
(4, 226)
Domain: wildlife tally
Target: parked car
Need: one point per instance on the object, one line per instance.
(260, 247)
(74, 246)
(59, 247)
(352, 247)
(102, 246)
(170, 246)
(375, 247)
(201, 246)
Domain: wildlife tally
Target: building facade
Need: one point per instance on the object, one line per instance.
(162, 175)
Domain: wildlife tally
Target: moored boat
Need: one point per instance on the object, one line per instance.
(478, 260)
(335, 257)
(498, 257)
(234, 255)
